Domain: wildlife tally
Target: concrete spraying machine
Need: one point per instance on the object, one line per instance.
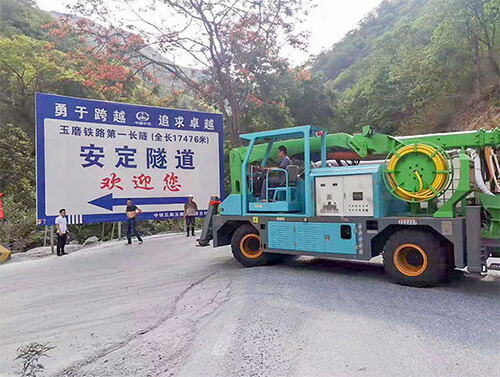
(429, 204)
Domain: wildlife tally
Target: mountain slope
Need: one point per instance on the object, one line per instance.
(415, 65)
(360, 42)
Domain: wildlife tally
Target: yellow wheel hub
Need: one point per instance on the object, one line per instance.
(410, 259)
(250, 246)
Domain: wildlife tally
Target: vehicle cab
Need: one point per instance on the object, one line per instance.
(293, 194)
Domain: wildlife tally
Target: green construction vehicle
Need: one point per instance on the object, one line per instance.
(429, 204)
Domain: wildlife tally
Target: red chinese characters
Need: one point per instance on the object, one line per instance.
(171, 182)
(142, 182)
(111, 182)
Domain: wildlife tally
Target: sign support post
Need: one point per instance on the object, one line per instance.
(51, 228)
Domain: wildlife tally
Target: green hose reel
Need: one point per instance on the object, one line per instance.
(417, 172)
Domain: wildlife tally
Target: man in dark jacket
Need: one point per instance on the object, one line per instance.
(132, 211)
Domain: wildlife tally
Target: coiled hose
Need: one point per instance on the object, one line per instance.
(422, 194)
(478, 172)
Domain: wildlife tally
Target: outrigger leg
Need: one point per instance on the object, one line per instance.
(206, 231)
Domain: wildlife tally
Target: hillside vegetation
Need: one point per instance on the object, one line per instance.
(415, 66)
(411, 66)
(35, 57)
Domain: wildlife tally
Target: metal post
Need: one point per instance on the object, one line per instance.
(119, 230)
(51, 229)
(323, 150)
(244, 190)
(475, 258)
(266, 156)
(45, 236)
(307, 173)
(463, 189)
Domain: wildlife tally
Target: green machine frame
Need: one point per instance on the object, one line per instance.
(365, 144)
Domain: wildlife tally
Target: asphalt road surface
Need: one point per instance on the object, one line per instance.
(168, 308)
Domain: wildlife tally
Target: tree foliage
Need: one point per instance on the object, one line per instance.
(414, 63)
(231, 42)
(17, 182)
(17, 159)
(21, 17)
(28, 65)
(409, 66)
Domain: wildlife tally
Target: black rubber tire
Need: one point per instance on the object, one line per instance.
(437, 258)
(238, 235)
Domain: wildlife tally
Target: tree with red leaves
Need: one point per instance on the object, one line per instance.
(230, 41)
(107, 71)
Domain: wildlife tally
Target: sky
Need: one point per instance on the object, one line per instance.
(328, 22)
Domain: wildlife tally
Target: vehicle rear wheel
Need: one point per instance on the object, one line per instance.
(416, 258)
(246, 247)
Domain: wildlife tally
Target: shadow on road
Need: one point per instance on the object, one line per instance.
(459, 281)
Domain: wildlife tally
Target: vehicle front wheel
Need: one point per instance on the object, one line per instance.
(246, 247)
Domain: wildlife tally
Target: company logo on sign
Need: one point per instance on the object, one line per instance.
(142, 116)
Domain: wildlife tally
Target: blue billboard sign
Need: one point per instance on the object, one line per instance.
(94, 155)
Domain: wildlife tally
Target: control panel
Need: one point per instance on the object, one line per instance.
(349, 195)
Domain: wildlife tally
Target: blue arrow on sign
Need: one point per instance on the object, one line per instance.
(108, 202)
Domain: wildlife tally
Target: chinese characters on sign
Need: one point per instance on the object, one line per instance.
(111, 182)
(102, 133)
(156, 157)
(113, 152)
(141, 117)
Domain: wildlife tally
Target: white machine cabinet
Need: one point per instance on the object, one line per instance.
(348, 195)
(329, 196)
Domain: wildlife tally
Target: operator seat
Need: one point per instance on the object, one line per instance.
(293, 174)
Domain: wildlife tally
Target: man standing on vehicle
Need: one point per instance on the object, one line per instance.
(280, 179)
(190, 211)
(62, 230)
(132, 211)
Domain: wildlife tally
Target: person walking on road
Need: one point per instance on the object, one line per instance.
(190, 211)
(132, 211)
(62, 231)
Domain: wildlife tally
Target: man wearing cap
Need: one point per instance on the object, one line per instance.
(190, 211)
